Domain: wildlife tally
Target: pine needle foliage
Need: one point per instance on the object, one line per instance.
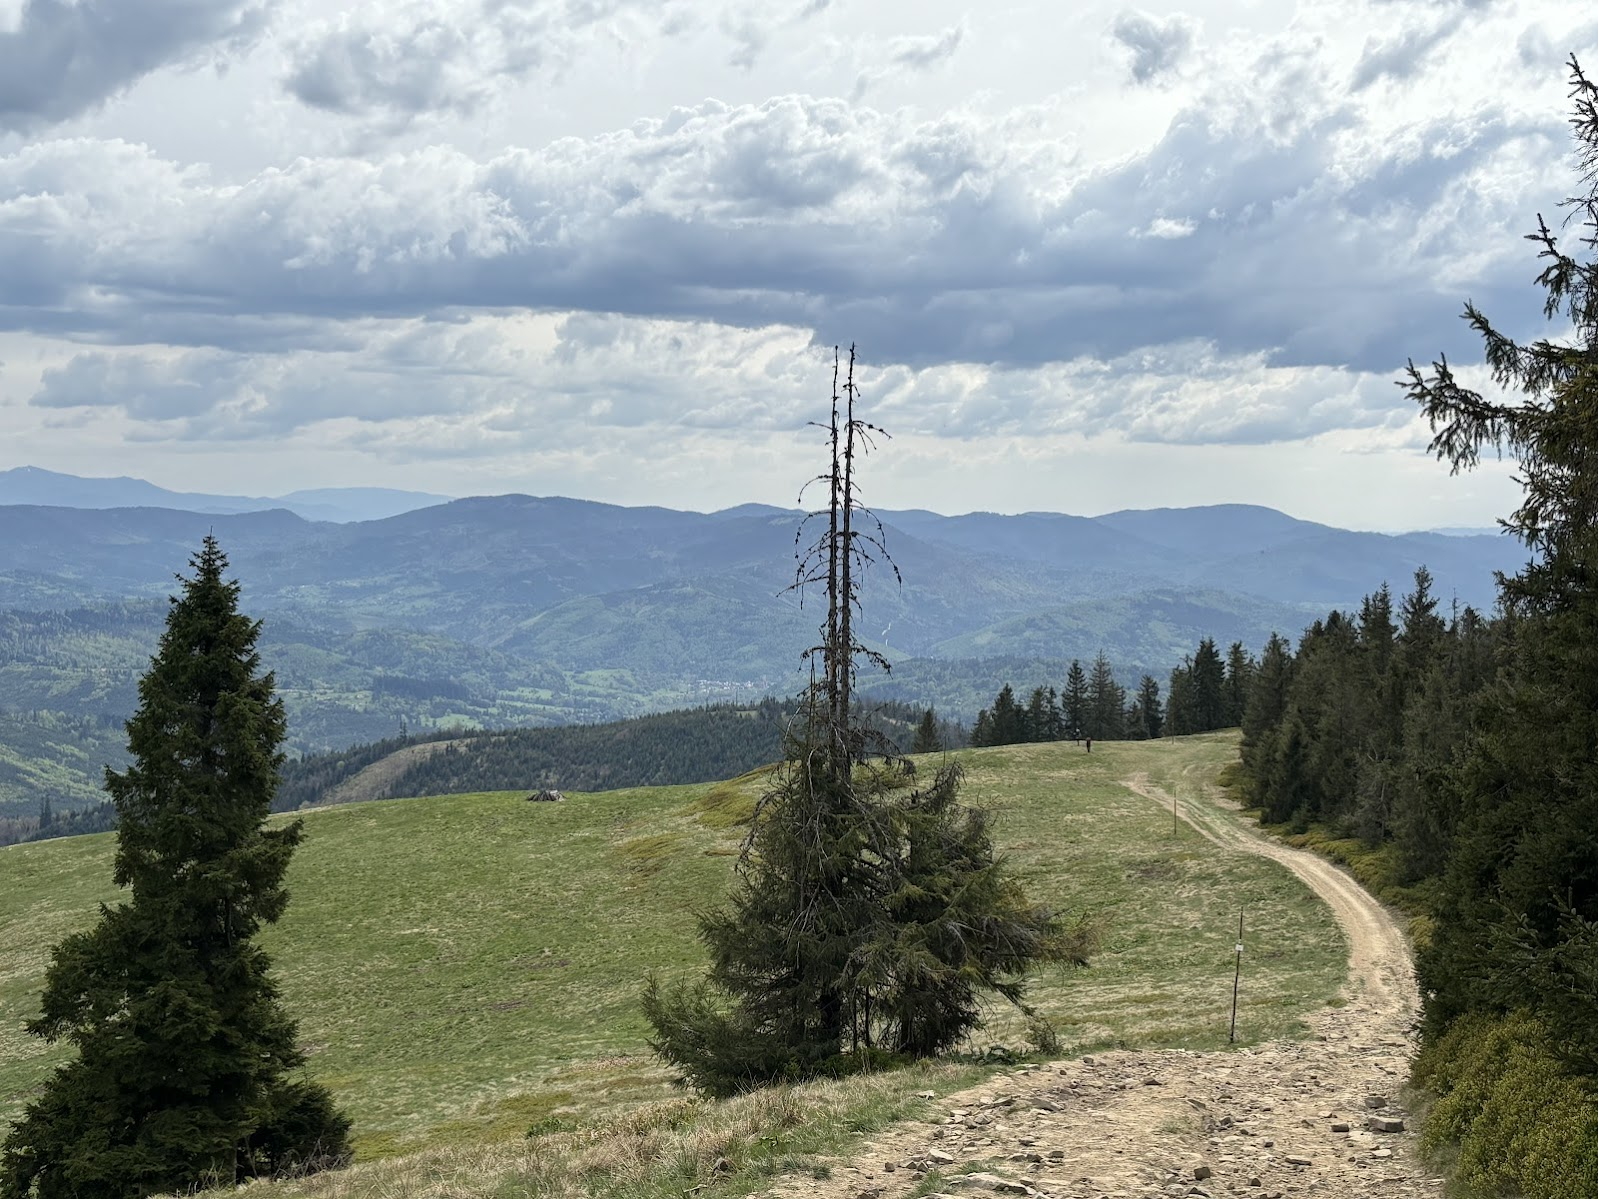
(1521, 886)
(870, 914)
(186, 1066)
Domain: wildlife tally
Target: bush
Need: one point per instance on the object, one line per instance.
(1523, 1124)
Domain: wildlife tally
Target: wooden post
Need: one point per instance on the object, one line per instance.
(1237, 974)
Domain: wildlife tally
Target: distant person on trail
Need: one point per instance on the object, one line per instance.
(1090, 745)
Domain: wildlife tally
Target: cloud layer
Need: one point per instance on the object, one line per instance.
(564, 231)
(931, 241)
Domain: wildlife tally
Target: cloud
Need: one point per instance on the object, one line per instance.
(1157, 46)
(1268, 218)
(906, 55)
(63, 58)
(749, 34)
(575, 380)
(392, 65)
(495, 372)
(1399, 57)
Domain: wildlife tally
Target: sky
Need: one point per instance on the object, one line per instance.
(1093, 256)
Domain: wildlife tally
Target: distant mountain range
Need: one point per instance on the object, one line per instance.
(515, 609)
(35, 486)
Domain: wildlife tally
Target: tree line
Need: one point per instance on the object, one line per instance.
(1206, 692)
(1465, 749)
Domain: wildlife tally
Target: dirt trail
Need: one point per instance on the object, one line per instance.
(1285, 1119)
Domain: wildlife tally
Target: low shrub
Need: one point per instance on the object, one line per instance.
(1524, 1126)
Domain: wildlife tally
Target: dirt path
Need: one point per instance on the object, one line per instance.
(1285, 1119)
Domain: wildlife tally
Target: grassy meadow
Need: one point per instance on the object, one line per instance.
(467, 966)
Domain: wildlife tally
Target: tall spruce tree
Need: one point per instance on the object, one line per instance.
(866, 915)
(1206, 693)
(1074, 701)
(1520, 891)
(1106, 716)
(1239, 678)
(186, 1072)
(1147, 717)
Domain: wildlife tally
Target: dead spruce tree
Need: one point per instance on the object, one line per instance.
(868, 915)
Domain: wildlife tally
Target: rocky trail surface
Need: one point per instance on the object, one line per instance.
(1318, 1117)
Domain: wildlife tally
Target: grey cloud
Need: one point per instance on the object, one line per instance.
(935, 242)
(909, 54)
(749, 35)
(923, 53)
(66, 58)
(393, 66)
(1157, 46)
(1398, 57)
(613, 373)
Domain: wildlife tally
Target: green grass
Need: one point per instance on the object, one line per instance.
(465, 967)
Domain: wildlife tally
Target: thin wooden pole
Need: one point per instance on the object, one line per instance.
(1237, 975)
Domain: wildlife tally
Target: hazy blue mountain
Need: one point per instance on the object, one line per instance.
(33, 485)
(518, 610)
(344, 504)
(1214, 530)
(1468, 531)
(1150, 630)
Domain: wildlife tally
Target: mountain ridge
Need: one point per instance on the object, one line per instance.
(499, 611)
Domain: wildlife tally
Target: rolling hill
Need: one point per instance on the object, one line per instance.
(499, 985)
(519, 610)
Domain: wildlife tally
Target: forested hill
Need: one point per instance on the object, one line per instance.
(691, 745)
(688, 746)
(517, 611)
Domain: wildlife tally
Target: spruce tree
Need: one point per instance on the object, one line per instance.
(1074, 701)
(1106, 717)
(1521, 887)
(1007, 721)
(1239, 675)
(187, 1071)
(1206, 694)
(1150, 719)
(927, 738)
(864, 917)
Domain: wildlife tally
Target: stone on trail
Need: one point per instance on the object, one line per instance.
(1294, 1160)
(1385, 1124)
(1200, 1173)
(1375, 1102)
(1340, 1128)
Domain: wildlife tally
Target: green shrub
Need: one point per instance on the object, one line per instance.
(1524, 1125)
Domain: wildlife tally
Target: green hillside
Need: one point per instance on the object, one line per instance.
(462, 966)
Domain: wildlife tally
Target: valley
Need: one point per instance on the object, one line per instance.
(514, 611)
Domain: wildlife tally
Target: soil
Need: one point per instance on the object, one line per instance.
(1288, 1118)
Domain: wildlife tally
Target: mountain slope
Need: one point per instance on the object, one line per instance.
(32, 485)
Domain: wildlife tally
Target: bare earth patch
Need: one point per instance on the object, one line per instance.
(1288, 1118)
(372, 782)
